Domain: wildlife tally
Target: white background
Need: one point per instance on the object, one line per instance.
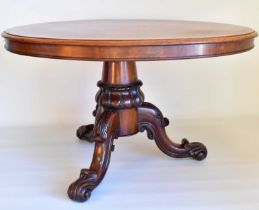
(44, 91)
(214, 100)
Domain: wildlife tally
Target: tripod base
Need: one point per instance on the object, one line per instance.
(121, 111)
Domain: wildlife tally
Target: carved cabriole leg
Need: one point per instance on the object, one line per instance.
(121, 111)
(105, 130)
(151, 119)
(115, 115)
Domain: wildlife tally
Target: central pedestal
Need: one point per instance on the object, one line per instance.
(121, 111)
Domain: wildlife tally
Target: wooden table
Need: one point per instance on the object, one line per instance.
(121, 109)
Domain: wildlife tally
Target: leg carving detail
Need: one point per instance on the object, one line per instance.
(103, 133)
(121, 111)
(151, 119)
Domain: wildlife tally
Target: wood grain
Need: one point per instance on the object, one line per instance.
(128, 39)
(121, 111)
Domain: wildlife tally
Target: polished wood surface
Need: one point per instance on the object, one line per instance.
(116, 73)
(128, 39)
(103, 134)
(140, 31)
(121, 109)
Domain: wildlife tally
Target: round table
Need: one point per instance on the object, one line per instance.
(121, 109)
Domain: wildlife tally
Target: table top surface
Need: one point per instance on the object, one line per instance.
(110, 39)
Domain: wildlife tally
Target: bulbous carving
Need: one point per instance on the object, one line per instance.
(120, 96)
(121, 111)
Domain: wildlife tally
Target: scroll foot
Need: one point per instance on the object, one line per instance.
(85, 132)
(151, 119)
(196, 150)
(103, 134)
(81, 189)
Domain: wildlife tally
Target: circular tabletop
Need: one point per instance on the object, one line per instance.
(128, 39)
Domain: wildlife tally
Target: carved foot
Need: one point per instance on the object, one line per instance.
(151, 119)
(81, 189)
(196, 150)
(85, 132)
(103, 133)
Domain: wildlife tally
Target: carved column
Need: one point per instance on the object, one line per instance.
(116, 114)
(121, 111)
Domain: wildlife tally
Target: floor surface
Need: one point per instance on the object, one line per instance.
(38, 163)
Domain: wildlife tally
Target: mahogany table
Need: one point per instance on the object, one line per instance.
(121, 109)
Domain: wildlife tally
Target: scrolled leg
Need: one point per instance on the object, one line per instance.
(103, 133)
(151, 119)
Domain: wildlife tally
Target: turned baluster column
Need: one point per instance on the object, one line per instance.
(120, 91)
